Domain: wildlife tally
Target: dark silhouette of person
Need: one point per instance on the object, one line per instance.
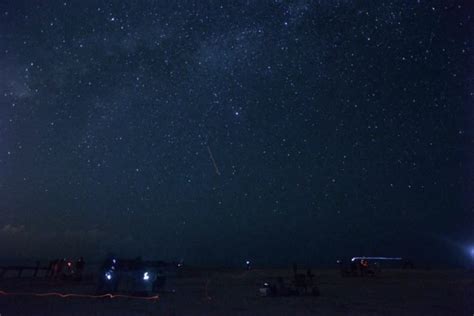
(353, 268)
(247, 265)
(80, 265)
(281, 288)
(108, 276)
(310, 276)
(160, 281)
(137, 266)
(364, 267)
(51, 268)
(58, 268)
(342, 269)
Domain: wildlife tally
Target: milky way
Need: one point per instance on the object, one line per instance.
(336, 129)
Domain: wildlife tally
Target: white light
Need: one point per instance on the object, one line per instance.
(247, 262)
(377, 258)
(146, 276)
(108, 276)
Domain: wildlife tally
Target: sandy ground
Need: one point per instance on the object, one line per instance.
(236, 293)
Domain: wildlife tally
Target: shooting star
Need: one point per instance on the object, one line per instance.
(213, 160)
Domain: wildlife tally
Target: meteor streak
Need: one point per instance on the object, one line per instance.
(213, 160)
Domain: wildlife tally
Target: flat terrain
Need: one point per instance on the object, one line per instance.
(233, 292)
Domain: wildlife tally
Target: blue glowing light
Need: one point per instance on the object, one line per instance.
(146, 276)
(108, 275)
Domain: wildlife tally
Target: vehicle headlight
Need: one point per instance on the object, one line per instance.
(146, 276)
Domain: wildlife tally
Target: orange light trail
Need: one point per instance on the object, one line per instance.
(71, 295)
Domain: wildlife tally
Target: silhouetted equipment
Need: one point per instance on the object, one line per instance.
(300, 284)
(4, 270)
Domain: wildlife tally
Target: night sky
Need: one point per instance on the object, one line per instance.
(213, 132)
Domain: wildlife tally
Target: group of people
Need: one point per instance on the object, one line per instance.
(302, 284)
(129, 275)
(63, 269)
